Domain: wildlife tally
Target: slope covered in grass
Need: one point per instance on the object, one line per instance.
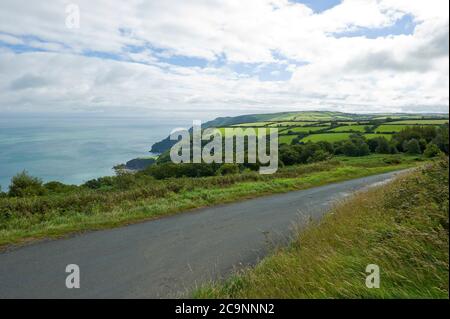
(402, 227)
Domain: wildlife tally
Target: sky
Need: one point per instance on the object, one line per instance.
(224, 57)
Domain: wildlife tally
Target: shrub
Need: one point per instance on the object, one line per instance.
(383, 146)
(102, 182)
(392, 160)
(59, 188)
(412, 146)
(2, 194)
(319, 156)
(23, 184)
(227, 169)
(432, 150)
(355, 147)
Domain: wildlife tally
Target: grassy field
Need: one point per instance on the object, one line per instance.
(420, 122)
(401, 227)
(52, 216)
(347, 128)
(328, 137)
(303, 129)
(390, 128)
(257, 130)
(286, 139)
(253, 124)
(313, 116)
(282, 124)
(373, 135)
(353, 123)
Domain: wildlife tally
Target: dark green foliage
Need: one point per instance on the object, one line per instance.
(25, 185)
(431, 150)
(355, 146)
(170, 170)
(58, 187)
(425, 133)
(392, 160)
(412, 146)
(383, 146)
(368, 128)
(105, 182)
(2, 194)
(305, 153)
(228, 168)
(441, 138)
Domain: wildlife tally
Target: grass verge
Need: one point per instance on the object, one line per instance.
(117, 209)
(402, 227)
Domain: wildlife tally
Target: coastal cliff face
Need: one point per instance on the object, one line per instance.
(167, 143)
(162, 146)
(136, 164)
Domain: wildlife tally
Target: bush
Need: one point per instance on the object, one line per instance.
(355, 147)
(319, 156)
(59, 188)
(432, 150)
(168, 170)
(392, 160)
(2, 194)
(102, 182)
(412, 146)
(227, 169)
(23, 184)
(383, 146)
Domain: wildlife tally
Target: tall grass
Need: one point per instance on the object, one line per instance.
(401, 227)
(54, 215)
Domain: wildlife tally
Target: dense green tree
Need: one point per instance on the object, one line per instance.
(383, 146)
(228, 168)
(23, 184)
(349, 149)
(289, 156)
(319, 155)
(441, 138)
(427, 133)
(412, 146)
(367, 128)
(432, 150)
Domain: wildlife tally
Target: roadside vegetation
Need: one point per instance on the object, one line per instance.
(402, 227)
(55, 209)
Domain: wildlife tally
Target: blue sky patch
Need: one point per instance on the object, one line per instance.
(405, 25)
(185, 61)
(26, 45)
(319, 6)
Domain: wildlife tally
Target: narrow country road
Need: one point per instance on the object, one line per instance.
(169, 256)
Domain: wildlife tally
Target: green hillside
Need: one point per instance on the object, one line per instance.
(295, 127)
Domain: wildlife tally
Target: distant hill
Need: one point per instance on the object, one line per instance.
(302, 116)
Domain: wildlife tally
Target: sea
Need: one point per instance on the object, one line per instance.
(75, 148)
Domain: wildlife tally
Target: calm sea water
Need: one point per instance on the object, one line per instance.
(75, 149)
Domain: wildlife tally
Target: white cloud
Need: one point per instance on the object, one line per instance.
(390, 73)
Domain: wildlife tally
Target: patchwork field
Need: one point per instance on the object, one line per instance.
(303, 129)
(327, 137)
(390, 128)
(293, 123)
(374, 135)
(253, 124)
(333, 126)
(348, 128)
(421, 122)
(286, 139)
